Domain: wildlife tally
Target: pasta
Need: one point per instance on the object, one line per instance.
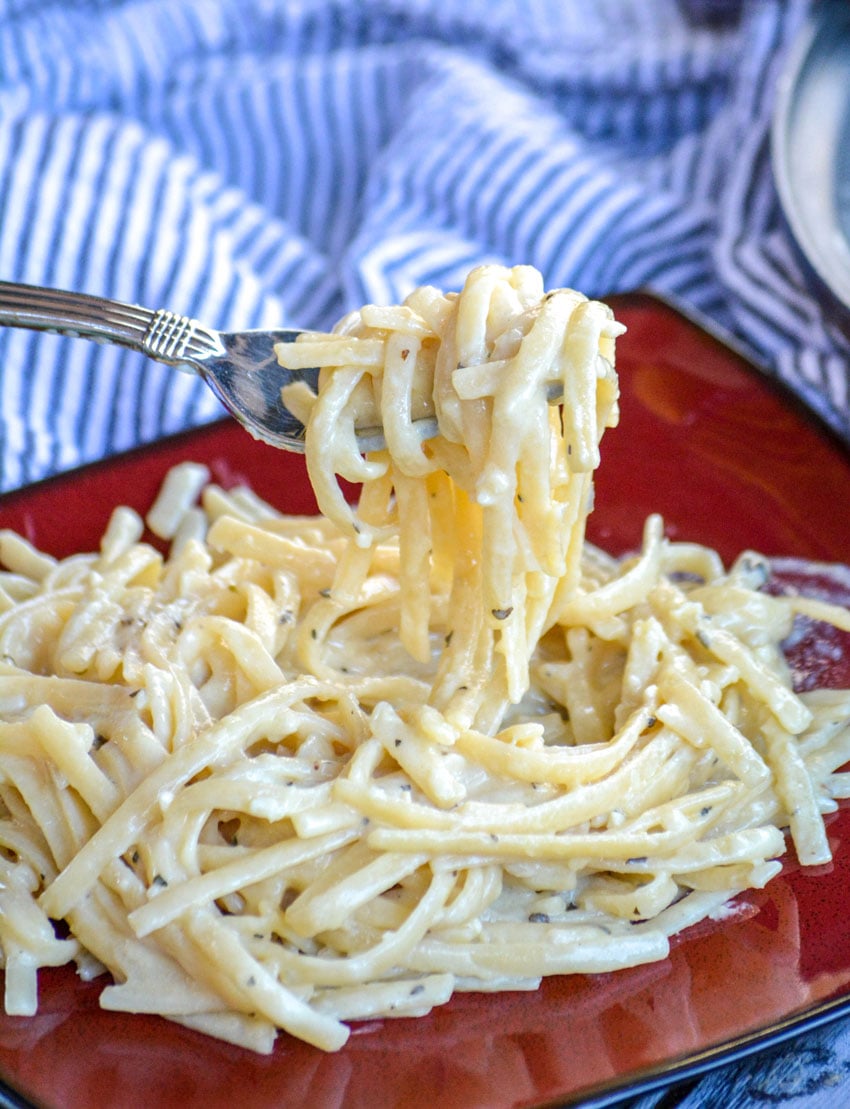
(297, 772)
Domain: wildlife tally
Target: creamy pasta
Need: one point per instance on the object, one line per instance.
(297, 772)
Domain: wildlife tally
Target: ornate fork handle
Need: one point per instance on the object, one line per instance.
(162, 335)
(240, 367)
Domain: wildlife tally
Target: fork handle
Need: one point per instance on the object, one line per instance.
(161, 335)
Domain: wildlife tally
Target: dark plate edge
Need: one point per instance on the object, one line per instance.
(699, 1063)
(10, 1098)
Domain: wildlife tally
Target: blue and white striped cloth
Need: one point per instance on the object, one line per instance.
(254, 162)
(275, 162)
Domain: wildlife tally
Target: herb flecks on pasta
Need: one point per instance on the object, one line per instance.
(489, 513)
(304, 771)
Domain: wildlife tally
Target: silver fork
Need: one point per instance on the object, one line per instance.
(239, 366)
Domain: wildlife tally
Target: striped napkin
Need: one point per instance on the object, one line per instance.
(276, 162)
(263, 162)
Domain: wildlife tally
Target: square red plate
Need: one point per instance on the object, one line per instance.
(728, 460)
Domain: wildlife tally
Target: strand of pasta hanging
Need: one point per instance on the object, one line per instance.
(492, 509)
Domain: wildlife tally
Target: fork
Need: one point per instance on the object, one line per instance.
(239, 366)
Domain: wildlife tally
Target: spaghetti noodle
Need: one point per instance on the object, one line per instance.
(303, 771)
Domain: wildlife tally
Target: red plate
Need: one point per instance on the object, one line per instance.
(728, 461)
